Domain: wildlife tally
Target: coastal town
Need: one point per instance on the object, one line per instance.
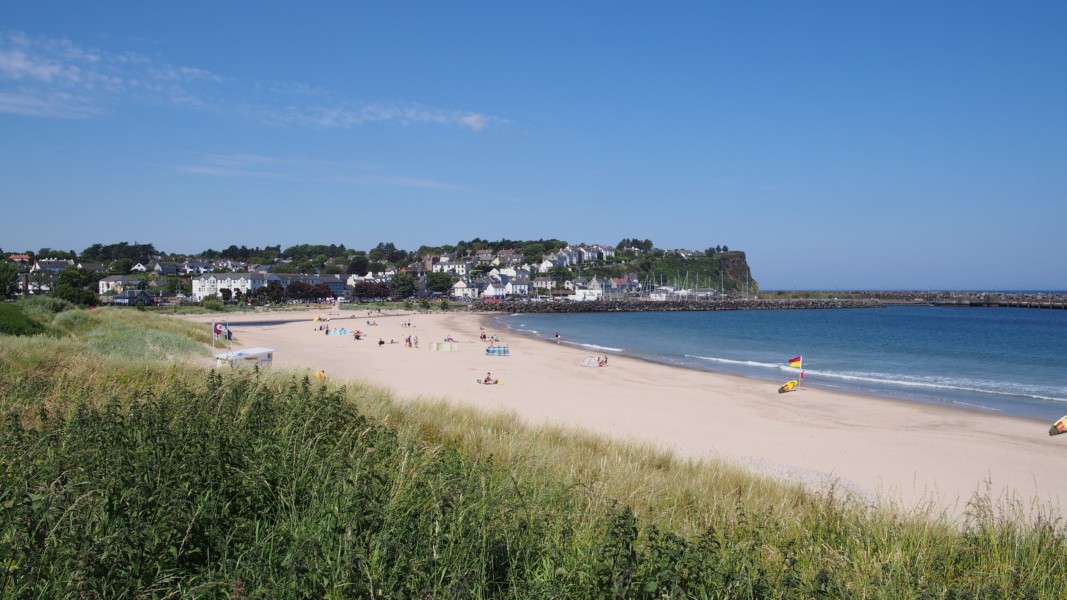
(599, 276)
(560, 272)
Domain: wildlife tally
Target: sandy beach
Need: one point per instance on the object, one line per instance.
(906, 454)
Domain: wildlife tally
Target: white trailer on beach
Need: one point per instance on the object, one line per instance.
(261, 357)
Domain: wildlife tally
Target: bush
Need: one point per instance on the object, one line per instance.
(44, 308)
(13, 321)
(212, 304)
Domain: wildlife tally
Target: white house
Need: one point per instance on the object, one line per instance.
(606, 252)
(445, 265)
(471, 288)
(495, 289)
(51, 265)
(588, 294)
(209, 285)
(117, 284)
(518, 287)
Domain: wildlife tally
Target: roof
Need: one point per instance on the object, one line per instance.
(245, 352)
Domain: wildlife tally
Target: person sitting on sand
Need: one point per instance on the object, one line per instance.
(488, 379)
(381, 342)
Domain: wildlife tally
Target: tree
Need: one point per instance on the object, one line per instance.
(9, 275)
(560, 273)
(321, 291)
(122, 265)
(298, 290)
(227, 294)
(366, 290)
(360, 265)
(71, 285)
(403, 285)
(388, 252)
(274, 291)
(439, 282)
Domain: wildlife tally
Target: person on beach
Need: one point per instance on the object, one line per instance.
(557, 337)
(320, 375)
(488, 379)
(381, 342)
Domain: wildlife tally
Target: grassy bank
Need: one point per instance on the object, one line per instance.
(125, 472)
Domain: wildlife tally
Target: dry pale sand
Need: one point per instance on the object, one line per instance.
(910, 455)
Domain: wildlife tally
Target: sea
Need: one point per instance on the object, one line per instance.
(1007, 361)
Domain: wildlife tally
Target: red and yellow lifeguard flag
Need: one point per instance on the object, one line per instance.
(795, 361)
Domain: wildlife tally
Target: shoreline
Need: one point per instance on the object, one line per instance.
(896, 452)
(989, 393)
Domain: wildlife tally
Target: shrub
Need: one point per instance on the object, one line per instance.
(43, 308)
(13, 321)
(212, 304)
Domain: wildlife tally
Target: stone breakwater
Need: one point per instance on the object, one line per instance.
(670, 306)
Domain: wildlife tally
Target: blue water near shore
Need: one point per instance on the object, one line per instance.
(1010, 361)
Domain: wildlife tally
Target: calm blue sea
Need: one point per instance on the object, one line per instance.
(1010, 361)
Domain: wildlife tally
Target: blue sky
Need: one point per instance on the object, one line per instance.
(842, 145)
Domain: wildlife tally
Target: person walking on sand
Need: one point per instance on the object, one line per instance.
(557, 338)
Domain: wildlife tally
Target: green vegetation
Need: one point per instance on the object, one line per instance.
(13, 321)
(126, 477)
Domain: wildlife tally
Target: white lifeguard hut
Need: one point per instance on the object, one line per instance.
(248, 357)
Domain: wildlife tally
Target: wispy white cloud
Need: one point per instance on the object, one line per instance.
(347, 116)
(59, 78)
(256, 166)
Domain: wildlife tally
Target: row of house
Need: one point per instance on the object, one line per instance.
(212, 284)
(566, 257)
(189, 267)
(505, 279)
(580, 288)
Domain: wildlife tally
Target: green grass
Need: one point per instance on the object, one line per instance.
(15, 321)
(122, 476)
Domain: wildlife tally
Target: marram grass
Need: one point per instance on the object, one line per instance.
(129, 477)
